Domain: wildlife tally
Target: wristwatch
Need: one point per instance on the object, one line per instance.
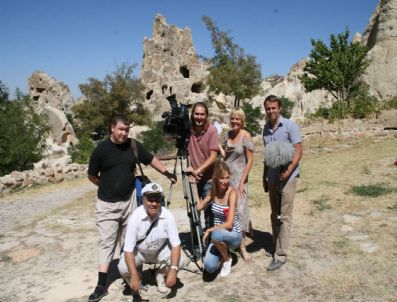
(174, 267)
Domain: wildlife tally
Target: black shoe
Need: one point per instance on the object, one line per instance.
(275, 264)
(136, 297)
(127, 291)
(98, 294)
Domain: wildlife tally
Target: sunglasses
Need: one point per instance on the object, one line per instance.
(153, 198)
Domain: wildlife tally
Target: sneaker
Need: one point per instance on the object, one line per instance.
(275, 264)
(98, 294)
(226, 268)
(161, 287)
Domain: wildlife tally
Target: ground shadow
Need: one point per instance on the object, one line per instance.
(113, 272)
(149, 278)
(209, 277)
(261, 240)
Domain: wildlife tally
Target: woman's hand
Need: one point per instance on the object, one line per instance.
(240, 189)
(205, 237)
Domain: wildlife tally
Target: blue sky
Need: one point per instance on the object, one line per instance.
(72, 40)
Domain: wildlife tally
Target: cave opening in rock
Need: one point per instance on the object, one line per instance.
(184, 71)
(196, 88)
(149, 94)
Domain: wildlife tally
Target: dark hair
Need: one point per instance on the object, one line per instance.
(119, 118)
(199, 104)
(272, 98)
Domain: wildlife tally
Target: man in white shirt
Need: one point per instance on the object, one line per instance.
(151, 237)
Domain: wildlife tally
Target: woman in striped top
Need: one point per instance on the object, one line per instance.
(227, 231)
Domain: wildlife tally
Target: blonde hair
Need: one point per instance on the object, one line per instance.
(220, 168)
(240, 114)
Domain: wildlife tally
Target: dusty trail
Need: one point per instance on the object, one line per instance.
(15, 206)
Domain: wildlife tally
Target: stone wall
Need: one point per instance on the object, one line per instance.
(19, 180)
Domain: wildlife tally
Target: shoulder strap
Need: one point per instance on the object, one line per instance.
(148, 231)
(134, 148)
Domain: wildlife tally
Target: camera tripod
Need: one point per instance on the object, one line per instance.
(193, 249)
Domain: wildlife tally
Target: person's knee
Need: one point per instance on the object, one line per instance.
(210, 267)
(217, 235)
(122, 267)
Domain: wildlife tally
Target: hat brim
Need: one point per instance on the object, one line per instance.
(153, 195)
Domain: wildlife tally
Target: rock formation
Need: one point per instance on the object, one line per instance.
(171, 66)
(47, 91)
(55, 100)
(380, 37)
(381, 75)
(291, 87)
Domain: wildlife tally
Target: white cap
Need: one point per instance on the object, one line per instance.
(152, 188)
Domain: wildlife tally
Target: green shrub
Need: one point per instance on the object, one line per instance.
(362, 103)
(371, 190)
(81, 152)
(390, 104)
(117, 93)
(363, 107)
(338, 111)
(286, 107)
(154, 141)
(22, 133)
(320, 112)
(253, 117)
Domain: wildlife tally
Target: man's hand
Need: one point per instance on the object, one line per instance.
(285, 175)
(135, 284)
(195, 175)
(170, 280)
(170, 176)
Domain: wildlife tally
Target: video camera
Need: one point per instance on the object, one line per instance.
(98, 134)
(177, 122)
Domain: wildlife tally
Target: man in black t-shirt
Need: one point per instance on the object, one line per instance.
(111, 168)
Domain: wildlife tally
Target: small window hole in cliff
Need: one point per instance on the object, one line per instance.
(196, 87)
(149, 94)
(184, 71)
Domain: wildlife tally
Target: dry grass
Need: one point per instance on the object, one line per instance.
(343, 245)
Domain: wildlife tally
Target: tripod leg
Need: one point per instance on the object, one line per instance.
(191, 207)
(171, 185)
(191, 258)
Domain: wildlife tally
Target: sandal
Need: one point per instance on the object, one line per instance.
(246, 256)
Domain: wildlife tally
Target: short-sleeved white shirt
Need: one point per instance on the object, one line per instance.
(138, 224)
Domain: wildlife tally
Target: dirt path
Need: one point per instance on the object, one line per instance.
(31, 207)
(343, 246)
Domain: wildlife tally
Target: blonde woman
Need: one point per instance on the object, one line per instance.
(226, 232)
(238, 153)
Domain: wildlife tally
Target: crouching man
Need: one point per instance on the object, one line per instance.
(151, 237)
